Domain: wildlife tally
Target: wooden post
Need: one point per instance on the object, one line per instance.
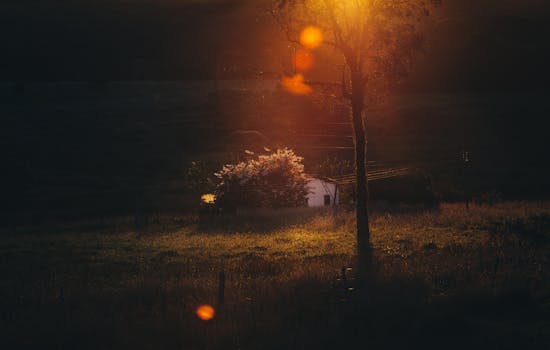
(467, 192)
(344, 277)
(137, 214)
(221, 287)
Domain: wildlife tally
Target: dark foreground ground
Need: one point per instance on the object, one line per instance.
(450, 278)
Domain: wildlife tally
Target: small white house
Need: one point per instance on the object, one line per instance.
(322, 193)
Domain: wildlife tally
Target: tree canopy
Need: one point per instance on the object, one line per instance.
(376, 39)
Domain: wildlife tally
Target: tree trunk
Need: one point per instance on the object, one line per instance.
(363, 233)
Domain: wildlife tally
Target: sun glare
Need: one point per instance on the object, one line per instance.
(311, 37)
(295, 85)
(205, 312)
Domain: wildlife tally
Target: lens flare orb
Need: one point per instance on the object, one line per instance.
(303, 60)
(296, 85)
(205, 312)
(311, 37)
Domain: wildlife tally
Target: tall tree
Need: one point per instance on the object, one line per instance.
(375, 41)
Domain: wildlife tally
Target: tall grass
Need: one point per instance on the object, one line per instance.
(476, 268)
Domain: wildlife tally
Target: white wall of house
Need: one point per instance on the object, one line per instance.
(322, 193)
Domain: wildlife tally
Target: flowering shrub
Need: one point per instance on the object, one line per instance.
(275, 180)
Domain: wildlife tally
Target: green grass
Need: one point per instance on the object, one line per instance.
(486, 270)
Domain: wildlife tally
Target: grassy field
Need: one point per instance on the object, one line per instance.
(445, 278)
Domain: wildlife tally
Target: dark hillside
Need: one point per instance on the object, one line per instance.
(102, 144)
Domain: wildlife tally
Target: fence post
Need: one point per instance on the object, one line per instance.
(137, 214)
(221, 287)
(344, 277)
(466, 183)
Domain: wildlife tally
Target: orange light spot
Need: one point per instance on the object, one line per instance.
(295, 85)
(311, 37)
(208, 198)
(205, 312)
(303, 60)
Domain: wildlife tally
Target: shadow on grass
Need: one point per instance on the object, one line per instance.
(303, 314)
(260, 220)
(271, 220)
(533, 229)
(400, 314)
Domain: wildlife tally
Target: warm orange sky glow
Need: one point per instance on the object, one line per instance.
(205, 312)
(303, 60)
(311, 37)
(295, 85)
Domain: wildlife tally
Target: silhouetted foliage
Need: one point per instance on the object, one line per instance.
(198, 178)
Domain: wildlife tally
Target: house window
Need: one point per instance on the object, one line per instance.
(327, 199)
